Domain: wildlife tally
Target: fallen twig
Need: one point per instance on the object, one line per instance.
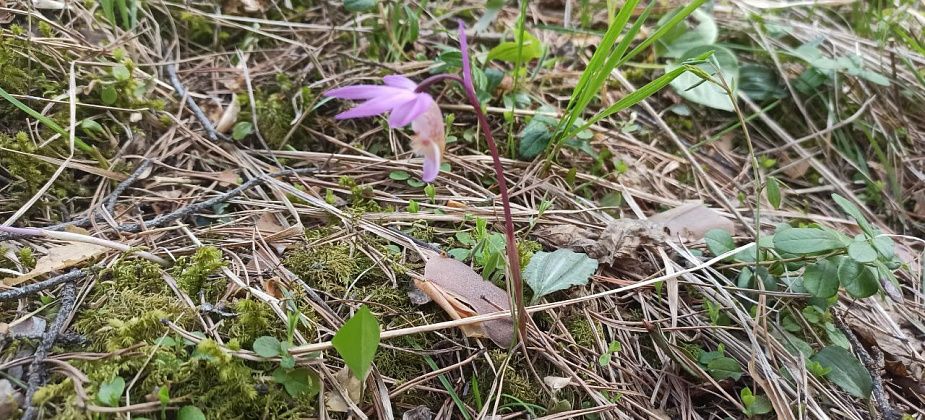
(36, 370)
(197, 111)
(42, 285)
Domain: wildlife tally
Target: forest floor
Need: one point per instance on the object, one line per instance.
(199, 227)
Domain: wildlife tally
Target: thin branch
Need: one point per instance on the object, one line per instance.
(197, 111)
(42, 285)
(36, 369)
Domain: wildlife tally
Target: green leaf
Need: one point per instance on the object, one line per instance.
(533, 139)
(459, 253)
(845, 371)
(242, 129)
(759, 83)
(855, 213)
(862, 251)
(357, 340)
(108, 94)
(805, 241)
(857, 279)
(286, 361)
(719, 241)
(359, 5)
(693, 88)
(683, 37)
(399, 175)
(110, 393)
(91, 126)
(513, 52)
(884, 246)
(724, 367)
(548, 272)
(266, 346)
(190, 412)
(163, 395)
(821, 278)
(773, 192)
(121, 73)
(297, 382)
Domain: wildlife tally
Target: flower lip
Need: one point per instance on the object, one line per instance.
(397, 97)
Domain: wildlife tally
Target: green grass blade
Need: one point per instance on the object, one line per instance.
(109, 11)
(48, 122)
(660, 32)
(631, 99)
(449, 387)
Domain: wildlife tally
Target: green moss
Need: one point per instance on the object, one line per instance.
(274, 115)
(254, 319)
(582, 331)
(325, 267)
(26, 257)
(192, 272)
(127, 305)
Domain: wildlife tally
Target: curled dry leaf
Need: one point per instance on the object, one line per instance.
(619, 239)
(556, 382)
(691, 221)
(349, 383)
(228, 118)
(59, 258)
(463, 293)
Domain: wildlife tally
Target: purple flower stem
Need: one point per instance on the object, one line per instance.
(520, 312)
(436, 79)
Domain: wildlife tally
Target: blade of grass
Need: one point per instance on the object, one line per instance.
(48, 122)
(448, 386)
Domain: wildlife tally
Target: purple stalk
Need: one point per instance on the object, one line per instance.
(520, 312)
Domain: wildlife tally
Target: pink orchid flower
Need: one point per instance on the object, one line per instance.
(405, 105)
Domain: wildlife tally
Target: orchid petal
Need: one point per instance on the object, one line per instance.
(405, 114)
(431, 162)
(376, 106)
(401, 82)
(363, 92)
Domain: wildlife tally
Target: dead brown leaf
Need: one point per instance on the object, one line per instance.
(349, 383)
(59, 258)
(691, 221)
(462, 293)
(619, 239)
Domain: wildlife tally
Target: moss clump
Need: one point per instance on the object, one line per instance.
(127, 305)
(583, 331)
(30, 173)
(326, 267)
(192, 272)
(274, 115)
(254, 319)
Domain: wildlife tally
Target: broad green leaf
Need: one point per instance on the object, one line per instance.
(693, 88)
(845, 371)
(805, 241)
(242, 129)
(857, 279)
(108, 94)
(459, 253)
(821, 278)
(759, 82)
(357, 340)
(297, 382)
(266, 346)
(548, 272)
(855, 213)
(399, 175)
(110, 393)
(359, 5)
(191, 412)
(513, 52)
(862, 251)
(120, 72)
(884, 246)
(773, 192)
(724, 367)
(685, 36)
(719, 241)
(533, 138)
